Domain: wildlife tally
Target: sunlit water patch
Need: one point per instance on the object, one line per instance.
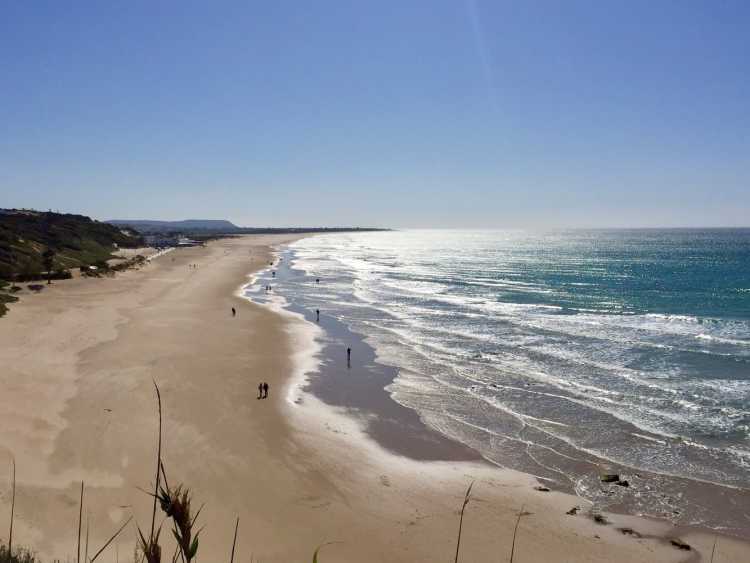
(562, 352)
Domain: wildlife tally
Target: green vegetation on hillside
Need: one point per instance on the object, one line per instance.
(5, 298)
(31, 241)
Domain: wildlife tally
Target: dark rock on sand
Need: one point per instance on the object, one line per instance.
(679, 544)
(600, 519)
(630, 532)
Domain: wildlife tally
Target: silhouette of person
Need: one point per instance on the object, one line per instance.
(260, 390)
(349, 357)
(265, 390)
(234, 312)
(317, 315)
(317, 280)
(273, 274)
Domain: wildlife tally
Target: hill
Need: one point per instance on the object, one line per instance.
(216, 227)
(76, 240)
(188, 225)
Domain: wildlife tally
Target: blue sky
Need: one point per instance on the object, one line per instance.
(422, 113)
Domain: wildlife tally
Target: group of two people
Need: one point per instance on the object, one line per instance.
(263, 390)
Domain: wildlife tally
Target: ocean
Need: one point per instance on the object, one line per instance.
(565, 354)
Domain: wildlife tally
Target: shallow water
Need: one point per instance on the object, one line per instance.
(562, 353)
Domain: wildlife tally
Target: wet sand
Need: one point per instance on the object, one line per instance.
(77, 403)
(360, 387)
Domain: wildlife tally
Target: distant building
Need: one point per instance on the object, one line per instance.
(165, 241)
(184, 241)
(160, 241)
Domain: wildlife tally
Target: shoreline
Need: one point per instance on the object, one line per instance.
(389, 423)
(358, 387)
(78, 403)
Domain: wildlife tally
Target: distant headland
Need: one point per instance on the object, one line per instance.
(221, 226)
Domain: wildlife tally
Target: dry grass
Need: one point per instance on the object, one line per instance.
(110, 540)
(176, 505)
(317, 550)
(150, 548)
(80, 517)
(20, 556)
(234, 541)
(12, 510)
(515, 532)
(158, 463)
(467, 498)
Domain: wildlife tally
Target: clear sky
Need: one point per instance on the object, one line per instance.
(424, 113)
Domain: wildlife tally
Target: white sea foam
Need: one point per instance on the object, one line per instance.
(433, 310)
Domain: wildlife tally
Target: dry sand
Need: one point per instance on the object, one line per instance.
(77, 403)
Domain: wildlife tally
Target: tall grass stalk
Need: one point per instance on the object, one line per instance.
(234, 541)
(12, 509)
(467, 497)
(150, 547)
(315, 555)
(110, 540)
(515, 531)
(86, 549)
(176, 505)
(158, 467)
(80, 518)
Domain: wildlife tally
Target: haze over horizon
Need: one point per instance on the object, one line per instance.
(395, 114)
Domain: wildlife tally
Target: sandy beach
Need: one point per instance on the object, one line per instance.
(77, 404)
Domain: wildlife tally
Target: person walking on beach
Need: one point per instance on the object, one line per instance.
(317, 315)
(234, 312)
(349, 357)
(260, 390)
(265, 390)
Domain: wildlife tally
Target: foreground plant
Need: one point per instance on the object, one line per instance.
(176, 505)
(150, 548)
(467, 498)
(20, 556)
(12, 510)
(515, 532)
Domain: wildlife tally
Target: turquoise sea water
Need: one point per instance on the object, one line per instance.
(561, 353)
